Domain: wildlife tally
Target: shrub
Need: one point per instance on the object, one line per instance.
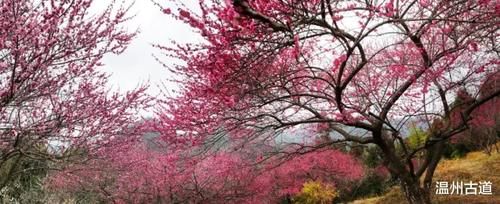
(315, 192)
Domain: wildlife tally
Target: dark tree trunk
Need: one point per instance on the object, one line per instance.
(414, 193)
(410, 183)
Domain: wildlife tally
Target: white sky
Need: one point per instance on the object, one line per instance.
(137, 64)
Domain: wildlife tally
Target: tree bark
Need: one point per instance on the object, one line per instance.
(409, 182)
(414, 193)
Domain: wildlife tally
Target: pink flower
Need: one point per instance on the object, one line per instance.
(184, 13)
(167, 11)
(3, 65)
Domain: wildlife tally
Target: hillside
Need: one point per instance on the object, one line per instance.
(475, 167)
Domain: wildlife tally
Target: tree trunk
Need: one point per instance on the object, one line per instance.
(410, 184)
(414, 193)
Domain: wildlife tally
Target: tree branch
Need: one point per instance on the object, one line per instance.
(244, 9)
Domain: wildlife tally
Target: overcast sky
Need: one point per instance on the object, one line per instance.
(137, 64)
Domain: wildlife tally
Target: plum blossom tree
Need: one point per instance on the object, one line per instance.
(349, 71)
(484, 128)
(133, 173)
(53, 101)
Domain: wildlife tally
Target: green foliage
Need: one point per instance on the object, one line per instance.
(374, 182)
(22, 179)
(371, 185)
(372, 156)
(455, 151)
(315, 192)
(416, 138)
(22, 175)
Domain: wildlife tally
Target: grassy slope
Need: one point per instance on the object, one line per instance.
(475, 167)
